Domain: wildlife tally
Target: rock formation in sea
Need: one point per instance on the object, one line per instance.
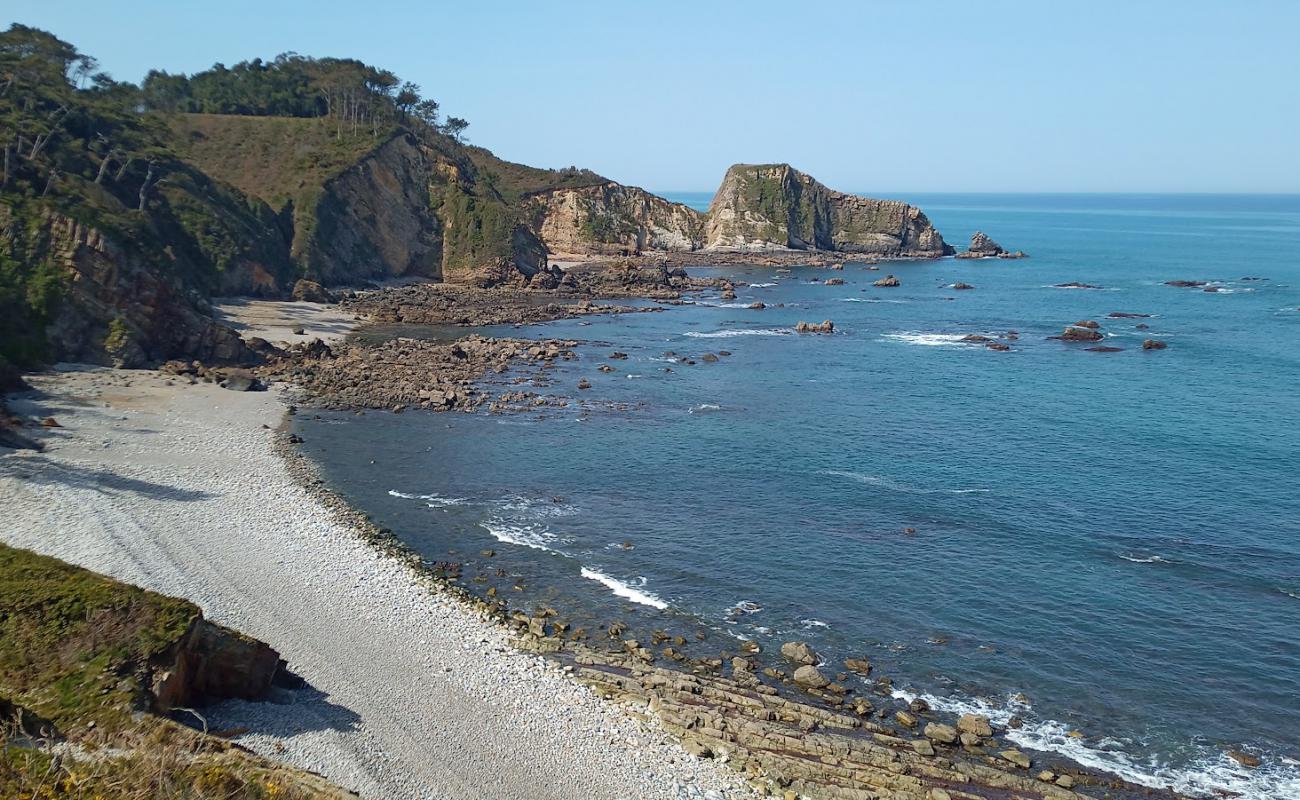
(776, 207)
(981, 246)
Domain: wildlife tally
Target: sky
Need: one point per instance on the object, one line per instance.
(866, 96)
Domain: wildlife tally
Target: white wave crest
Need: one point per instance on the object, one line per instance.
(762, 285)
(814, 623)
(624, 590)
(431, 500)
(886, 483)
(538, 537)
(871, 300)
(1212, 775)
(926, 339)
(1136, 559)
(703, 407)
(738, 332)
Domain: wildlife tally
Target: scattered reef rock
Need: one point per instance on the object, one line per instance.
(410, 373)
(825, 326)
(776, 207)
(1077, 334)
(889, 281)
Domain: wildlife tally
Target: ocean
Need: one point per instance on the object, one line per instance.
(1106, 544)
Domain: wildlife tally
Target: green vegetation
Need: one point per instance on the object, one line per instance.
(516, 181)
(76, 653)
(73, 644)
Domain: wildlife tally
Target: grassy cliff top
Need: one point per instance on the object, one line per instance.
(515, 181)
(274, 158)
(70, 639)
(74, 647)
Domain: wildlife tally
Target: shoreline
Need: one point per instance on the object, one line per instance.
(180, 488)
(632, 679)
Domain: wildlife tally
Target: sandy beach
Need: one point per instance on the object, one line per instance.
(178, 488)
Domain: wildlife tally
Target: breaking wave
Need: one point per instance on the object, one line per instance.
(625, 590)
(1212, 775)
(738, 332)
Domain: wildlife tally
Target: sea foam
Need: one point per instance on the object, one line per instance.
(926, 339)
(624, 590)
(738, 332)
(1213, 774)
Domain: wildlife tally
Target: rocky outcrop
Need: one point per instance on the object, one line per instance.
(213, 663)
(776, 207)
(613, 219)
(117, 307)
(373, 220)
(981, 246)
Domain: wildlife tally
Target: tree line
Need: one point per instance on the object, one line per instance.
(354, 95)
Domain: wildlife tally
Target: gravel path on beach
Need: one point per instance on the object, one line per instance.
(410, 694)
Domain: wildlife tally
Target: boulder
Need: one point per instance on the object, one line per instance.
(1154, 344)
(810, 677)
(1016, 757)
(311, 292)
(584, 384)
(960, 286)
(50, 422)
(1186, 284)
(757, 306)
(889, 281)
(834, 281)
(239, 380)
(923, 747)
(696, 748)
(709, 358)
(905, 719)
(1088, 323)
(859, 665)
(938, 732)
(1077, 285)
(800, 653)
(974, 723)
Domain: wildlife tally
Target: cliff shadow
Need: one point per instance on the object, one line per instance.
(42, 471)
(283, 714)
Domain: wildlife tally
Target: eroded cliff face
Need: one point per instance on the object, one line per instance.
(373, 220)
(116, 306)
(776, 207)
(613, 219)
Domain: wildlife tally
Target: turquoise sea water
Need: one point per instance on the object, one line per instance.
(1116, 535)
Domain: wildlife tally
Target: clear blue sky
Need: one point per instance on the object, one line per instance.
(867, 96)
